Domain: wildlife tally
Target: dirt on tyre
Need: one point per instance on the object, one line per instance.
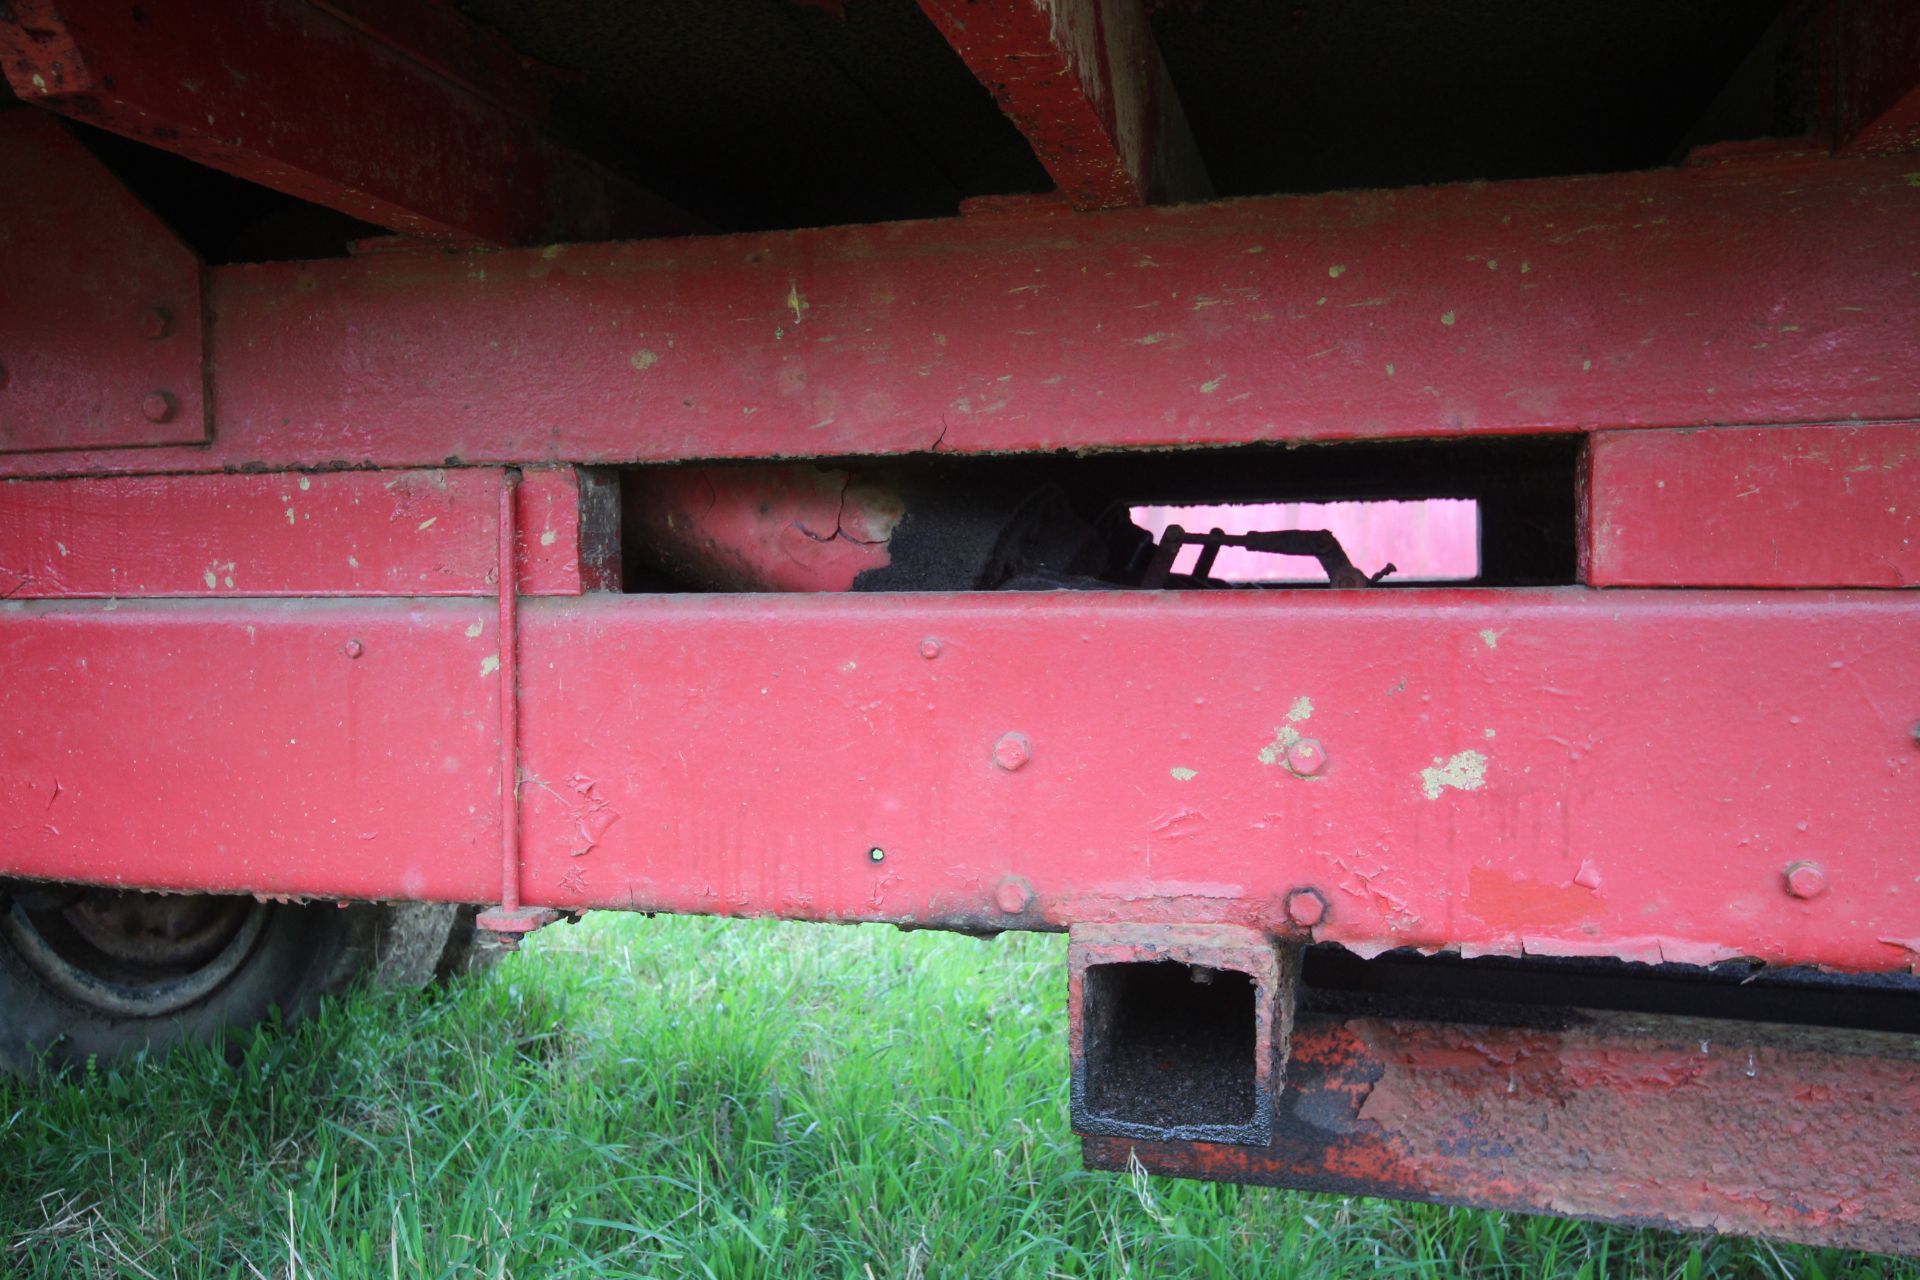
(91, 973)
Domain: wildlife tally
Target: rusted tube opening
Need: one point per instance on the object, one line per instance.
(1170, 1046)
(1178, 1031)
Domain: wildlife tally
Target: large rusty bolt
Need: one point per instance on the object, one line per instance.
(1306, 907)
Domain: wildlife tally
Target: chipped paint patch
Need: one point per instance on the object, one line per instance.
(426, 524)
(1490, 638)
(644, 359)
(1182, 775)
(1283, 738)
(796, 302)
(1466, 771)
(474, 629)
(1447, 318)
(547, 538)
(1286, 735)
(1335, 271)
(489, 664)
(1212, 385)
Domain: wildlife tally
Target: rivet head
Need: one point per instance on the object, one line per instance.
(352, 648)
(1806, 880)
(1012, 751)
(1306, 908)
(930, 648)
(1012, 895)
(876, 854)
(159, 406)
(1306, 757)
(156, 323)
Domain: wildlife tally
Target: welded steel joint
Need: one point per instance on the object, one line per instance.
(1178, 1032)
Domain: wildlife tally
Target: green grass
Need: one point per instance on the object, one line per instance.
(699, 1098)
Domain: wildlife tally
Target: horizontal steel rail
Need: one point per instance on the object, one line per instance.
(1652, 775)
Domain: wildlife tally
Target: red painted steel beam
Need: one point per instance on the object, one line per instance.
(1083, 80)
(1555, 772)
(1792, 1133)
(294, 97)
(340, 533)
(325, 749)
(101, 331)
(1734, 294)
(1833, 506)
(1566, 772)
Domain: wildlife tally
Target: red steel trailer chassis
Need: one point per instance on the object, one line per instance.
(311, 577)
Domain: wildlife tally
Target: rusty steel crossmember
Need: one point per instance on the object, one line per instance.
(1687, 1123)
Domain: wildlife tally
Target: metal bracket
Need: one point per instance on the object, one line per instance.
(101, 338)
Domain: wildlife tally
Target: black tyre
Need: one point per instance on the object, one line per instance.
(88, 973)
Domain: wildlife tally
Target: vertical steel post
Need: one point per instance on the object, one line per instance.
(510, 921)
(509, 699)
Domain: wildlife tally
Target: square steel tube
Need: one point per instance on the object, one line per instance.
(1201, 1064)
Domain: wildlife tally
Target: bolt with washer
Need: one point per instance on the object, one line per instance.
(1306, 907)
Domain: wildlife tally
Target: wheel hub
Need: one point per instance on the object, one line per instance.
(136, 954)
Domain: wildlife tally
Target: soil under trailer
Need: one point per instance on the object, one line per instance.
(463, 465)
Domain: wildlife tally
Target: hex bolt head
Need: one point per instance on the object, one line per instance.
(1012, 751)
(352, 648)
(930, 648)
(1306, 908)
(159, 406)
(156, 323)
(1012, 895)
(1306, 757)
(1806, 880)
(876, 854)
